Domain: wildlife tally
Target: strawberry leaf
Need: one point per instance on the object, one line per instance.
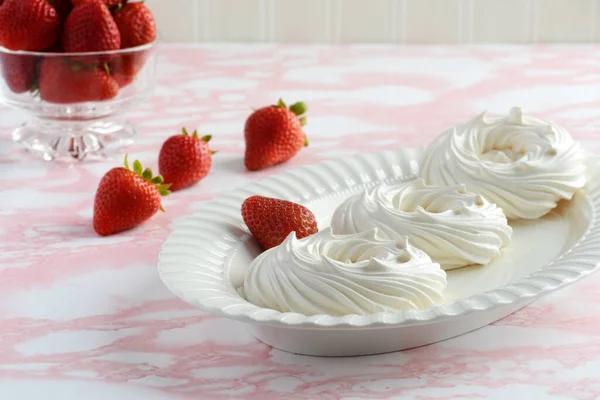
(281, 104)
(299, 108)
(164, 189)
(206, 138)
(137, 167)
(303, 121)
(185, 132)
(147, 174)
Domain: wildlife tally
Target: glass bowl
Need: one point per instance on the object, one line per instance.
(75, 102)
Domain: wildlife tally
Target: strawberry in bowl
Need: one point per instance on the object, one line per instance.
(75, 66)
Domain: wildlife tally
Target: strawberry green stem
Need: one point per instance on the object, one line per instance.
(148, 176)
(299, 108)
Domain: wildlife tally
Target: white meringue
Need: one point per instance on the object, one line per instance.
(339, 275)
(453, 226)
(525, 165)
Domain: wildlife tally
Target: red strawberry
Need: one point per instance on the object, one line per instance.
(127, 198)
(137, 28)
(90, 27)
(136, 25)
(184, 160)
(62, 81)
(19, 72)
(271, 220)
(30, 25)
(274, 135)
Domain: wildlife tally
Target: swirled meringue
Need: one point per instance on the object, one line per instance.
(525, 165)
(339, 275)
(453, 226)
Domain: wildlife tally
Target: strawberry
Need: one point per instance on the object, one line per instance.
(30, 25)
(19, 72)
(274, 135)
(136, 25)
(127, 198)
(90, 27)
(184, 160)
(137, 28)
(63, 81)
(271, 220)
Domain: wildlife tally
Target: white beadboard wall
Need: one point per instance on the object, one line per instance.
(378, 21)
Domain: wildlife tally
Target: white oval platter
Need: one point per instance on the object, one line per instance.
(204, 260)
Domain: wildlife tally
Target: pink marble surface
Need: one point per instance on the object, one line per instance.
(87, 317)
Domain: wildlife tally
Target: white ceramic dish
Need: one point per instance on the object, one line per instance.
(204, 260)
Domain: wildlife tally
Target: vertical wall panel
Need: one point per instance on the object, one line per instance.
(305, 21)
(363, 21)
(234, 20)
(432, 21)
(176, 19)
(564, 20)
(506, 21)
(386, 21)
(596, 20)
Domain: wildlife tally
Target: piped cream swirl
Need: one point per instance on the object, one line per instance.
(339, 275)
(525, 165)
(453, 226)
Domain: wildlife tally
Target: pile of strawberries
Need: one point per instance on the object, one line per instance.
(73, 26)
